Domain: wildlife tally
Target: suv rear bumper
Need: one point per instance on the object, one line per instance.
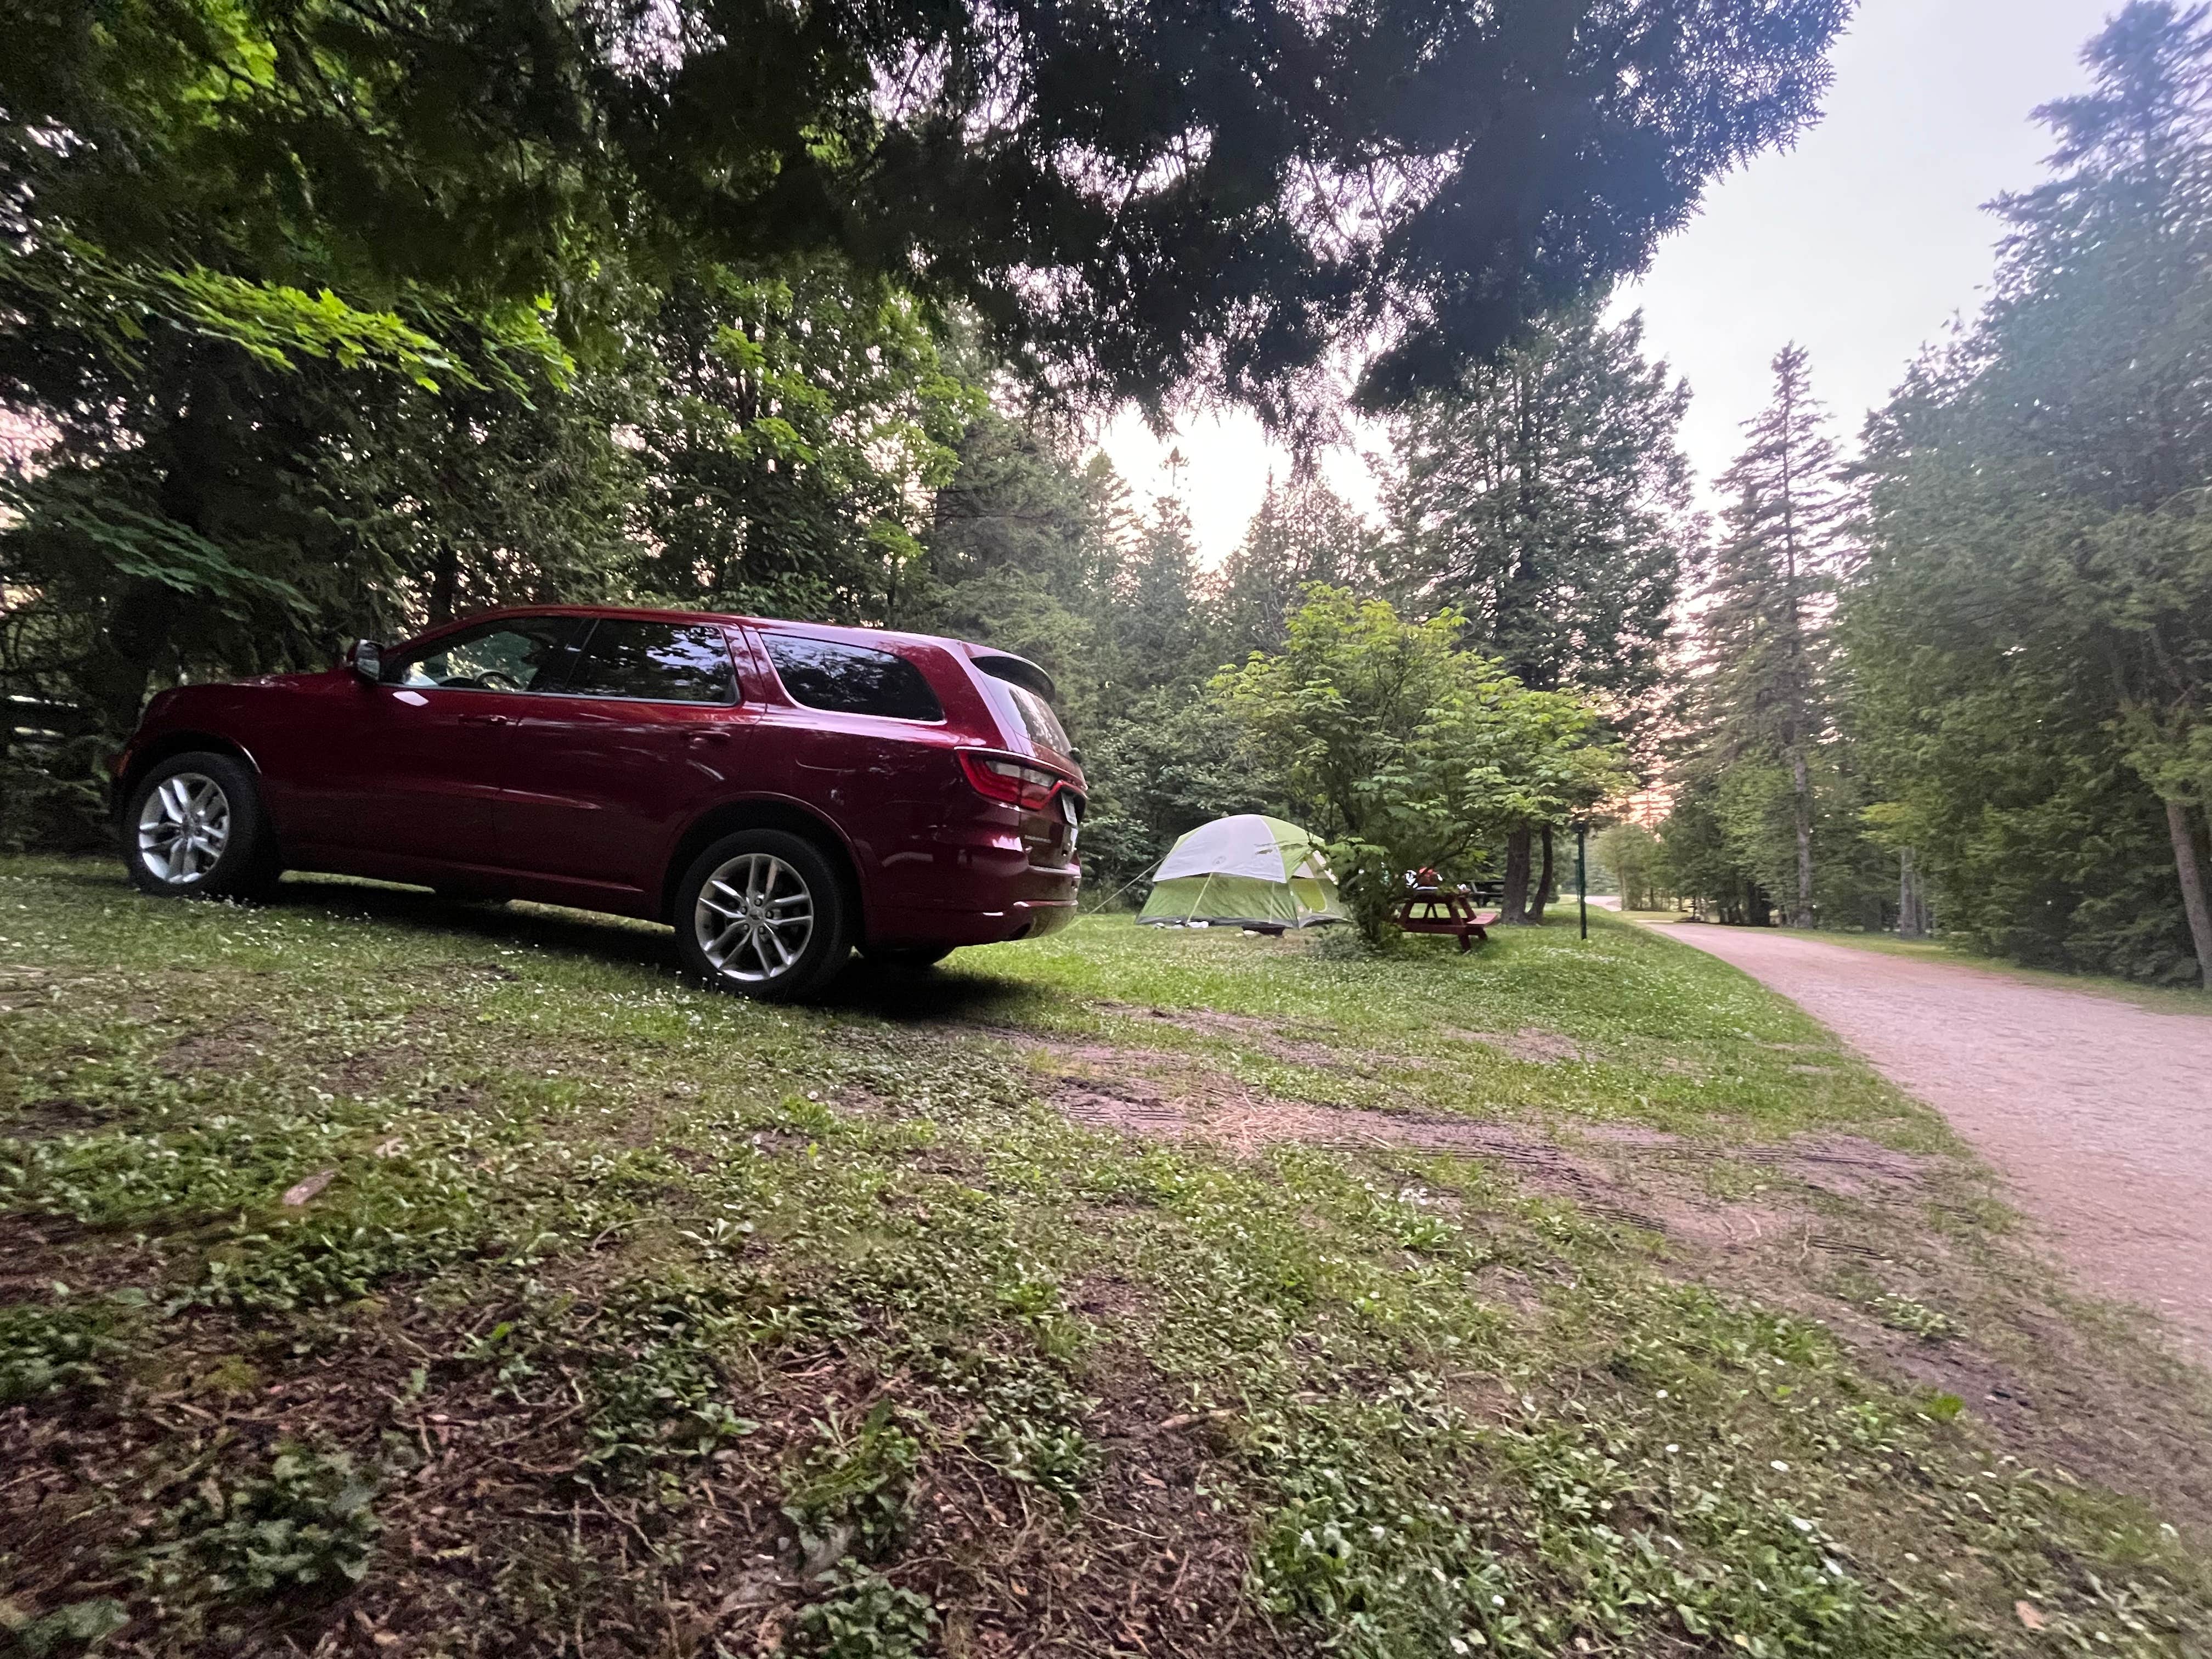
(1022, 918)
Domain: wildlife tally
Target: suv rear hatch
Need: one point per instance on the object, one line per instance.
(1021, 694)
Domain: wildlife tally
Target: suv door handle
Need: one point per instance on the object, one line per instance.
(711, 734)
(485, 719)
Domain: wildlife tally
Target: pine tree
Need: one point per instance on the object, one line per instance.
(1304, 532)
(2030, 639)
(1765, 624)
(1546, 496)
(1164, 632)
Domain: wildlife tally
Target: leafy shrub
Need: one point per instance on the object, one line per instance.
(305, 1523)
(1339, 944)
(46, 1352)
(658, 1395)
(68, 1628)
(864, 1616)
(852, 1495)
(1902, 1313)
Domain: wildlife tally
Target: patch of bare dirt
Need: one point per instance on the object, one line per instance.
(498, 1537)
(1622, 1172)
(1849, 1166)
(1830, 1222)
(1155, 1568)
(1531, 1043)
(24, 987)
(1108, 1298)
(1244, 1122)
(230, 1049)
(1296, 1043)
(1844, 1223)
(40, 1120)
(240, 1044)
(1200, 1019)
(37, 1251)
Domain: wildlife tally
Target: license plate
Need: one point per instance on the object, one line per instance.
(1068, 812)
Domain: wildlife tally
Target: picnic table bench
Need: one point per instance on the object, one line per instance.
(1430, 906)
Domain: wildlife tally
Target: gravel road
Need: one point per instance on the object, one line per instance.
(2097, 1111)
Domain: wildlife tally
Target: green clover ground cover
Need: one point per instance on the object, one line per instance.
(633, 1319)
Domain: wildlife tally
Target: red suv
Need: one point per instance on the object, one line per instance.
(780, 792)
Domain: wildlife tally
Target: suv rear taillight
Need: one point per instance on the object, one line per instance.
(1002, 778)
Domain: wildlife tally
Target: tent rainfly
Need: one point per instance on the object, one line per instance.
(1247, 870)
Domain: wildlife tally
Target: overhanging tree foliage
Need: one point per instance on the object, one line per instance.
(1139, 196)
(343, 314)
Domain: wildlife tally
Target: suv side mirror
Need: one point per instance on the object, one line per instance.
(368, 658)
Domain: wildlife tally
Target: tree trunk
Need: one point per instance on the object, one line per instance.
(1544, 879)
(1911, 923)
(1800, 783)
(136, 629)
(2191, 871)
(445, 584)
(1515, 907)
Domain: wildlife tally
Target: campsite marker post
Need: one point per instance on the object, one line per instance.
(1581, 874)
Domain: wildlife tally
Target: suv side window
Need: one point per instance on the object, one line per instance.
(655, 662)
(528, 653)
(851, 679)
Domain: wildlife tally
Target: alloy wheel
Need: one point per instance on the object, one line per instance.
(183, 827)
(754, 918)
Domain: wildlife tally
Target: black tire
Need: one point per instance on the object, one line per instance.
(907, 958)
(744, 936)
(194, 827)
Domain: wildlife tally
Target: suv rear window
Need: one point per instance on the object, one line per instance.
(1026, 686)
(851, 679)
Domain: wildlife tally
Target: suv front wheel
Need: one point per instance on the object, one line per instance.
(762, 913)
(193, 827)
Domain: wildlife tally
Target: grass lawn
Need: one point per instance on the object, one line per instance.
(382, 1276)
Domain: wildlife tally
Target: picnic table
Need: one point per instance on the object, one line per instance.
(1430, 906)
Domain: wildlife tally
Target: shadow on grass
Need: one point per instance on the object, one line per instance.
(940, 996)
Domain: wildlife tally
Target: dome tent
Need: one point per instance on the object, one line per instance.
(1248, 869)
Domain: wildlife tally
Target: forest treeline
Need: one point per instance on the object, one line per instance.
(1968, 675)
(331, 318)
(318, 321)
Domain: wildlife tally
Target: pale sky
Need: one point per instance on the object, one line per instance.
(1861, 244)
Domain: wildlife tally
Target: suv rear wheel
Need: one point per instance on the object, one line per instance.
(193, 827)
(762, 913)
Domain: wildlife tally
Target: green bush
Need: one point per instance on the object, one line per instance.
(305, 1523)
(47, 1352)
(851, 1496)
(864, 1616)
